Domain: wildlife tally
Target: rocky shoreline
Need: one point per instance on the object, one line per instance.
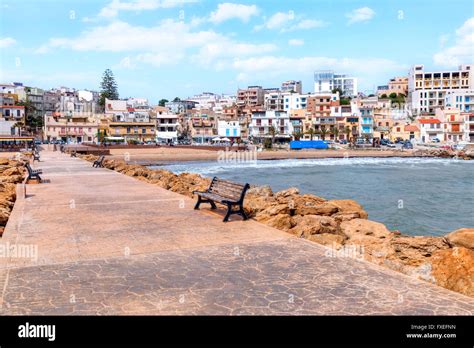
(342, 225)
(11, 173)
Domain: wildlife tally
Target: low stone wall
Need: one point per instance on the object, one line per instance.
(12, 172)
(342, 225)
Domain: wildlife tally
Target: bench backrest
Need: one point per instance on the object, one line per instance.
(229, 189)
(30, 170)
(100, 159)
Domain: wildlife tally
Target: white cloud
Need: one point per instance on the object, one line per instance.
(263, 68)
(306, 24)
(462, 51)
(6, 42)
(296, 42)
(228, 11)
(167, 43)
(362, 14)
(286, 21)
(113, 8)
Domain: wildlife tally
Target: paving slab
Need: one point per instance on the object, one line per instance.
(104, 243)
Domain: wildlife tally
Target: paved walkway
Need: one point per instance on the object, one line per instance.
(110, 244)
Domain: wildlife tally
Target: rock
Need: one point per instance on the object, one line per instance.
(307, 225)
(414, 251)
(360, 227)
(280, 221)
(255, 204)
(3, 161)
(287, 193)
(463, 237)
(328, 239)
(454, 269)
(325, 208)
(348, 206)
(272, 210)
(261, 191)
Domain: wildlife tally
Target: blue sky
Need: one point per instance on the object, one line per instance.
(167, 48)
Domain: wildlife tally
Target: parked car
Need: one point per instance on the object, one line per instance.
(38, 142)
(407, 145)
(343, 141)
(384, 142)
(435, 140)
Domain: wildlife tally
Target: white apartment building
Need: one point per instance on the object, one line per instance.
(295, 101)
(167, 127)
(430, 129)
(427, 90)
(460, 99)
(229, 129)
(292, 86)
(326, 81)
(275, 100)
(262, 121)
(205, 100)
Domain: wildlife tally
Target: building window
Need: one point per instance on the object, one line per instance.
(143, 130)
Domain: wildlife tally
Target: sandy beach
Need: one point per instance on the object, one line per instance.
(170, 154)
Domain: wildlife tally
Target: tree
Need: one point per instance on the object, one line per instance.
(323, 131)
(162, 102)
(348, 132)
(311, 133)
(177, 99)
(297, 135)
(273, 132)
(383, 96)
(335, 90)
(345, 101)
(392, 95)
(335, 132)
(32, 121)
(108, 87)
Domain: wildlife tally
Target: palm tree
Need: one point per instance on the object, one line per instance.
(323, 132)
(335, 132)
(273, 132)
(297, 135)
(348, 132)
(311, 133)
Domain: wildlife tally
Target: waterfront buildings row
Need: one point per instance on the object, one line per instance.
(425, 106)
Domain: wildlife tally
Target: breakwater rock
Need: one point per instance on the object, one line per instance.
(11, 173)
(342, 225)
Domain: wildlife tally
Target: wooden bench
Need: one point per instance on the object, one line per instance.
(98, 163)
(33, 173)
(36, 157)
(225, 192)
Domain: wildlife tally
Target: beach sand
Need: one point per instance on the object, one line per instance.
(171, 154)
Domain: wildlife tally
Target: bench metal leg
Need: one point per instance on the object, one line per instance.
(242, 212)
(213, 205)
(198, 203)
(229, 211)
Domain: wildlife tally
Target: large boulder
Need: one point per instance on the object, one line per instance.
(287, 193)
(305, 226)
(357, 228)
(280, 221)
(454, 269)
(348, 207)
(261, 191)
(463, 237)
(329, 239)
(414, 251)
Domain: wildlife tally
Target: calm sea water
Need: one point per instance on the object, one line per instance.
(414, 195)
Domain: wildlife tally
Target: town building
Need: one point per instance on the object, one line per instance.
(166, 125)
(430, 130)
(75, 128)
(292, 86)
(203, 126)
(453, 124)
(397, 85)
(269, 123)
(251, 96)
(460, 99)
(229, 129)
(326, 81)
(427, 90)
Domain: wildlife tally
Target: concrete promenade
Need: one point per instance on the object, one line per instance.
(104, 243)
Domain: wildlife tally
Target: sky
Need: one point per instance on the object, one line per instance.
(167, 48)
